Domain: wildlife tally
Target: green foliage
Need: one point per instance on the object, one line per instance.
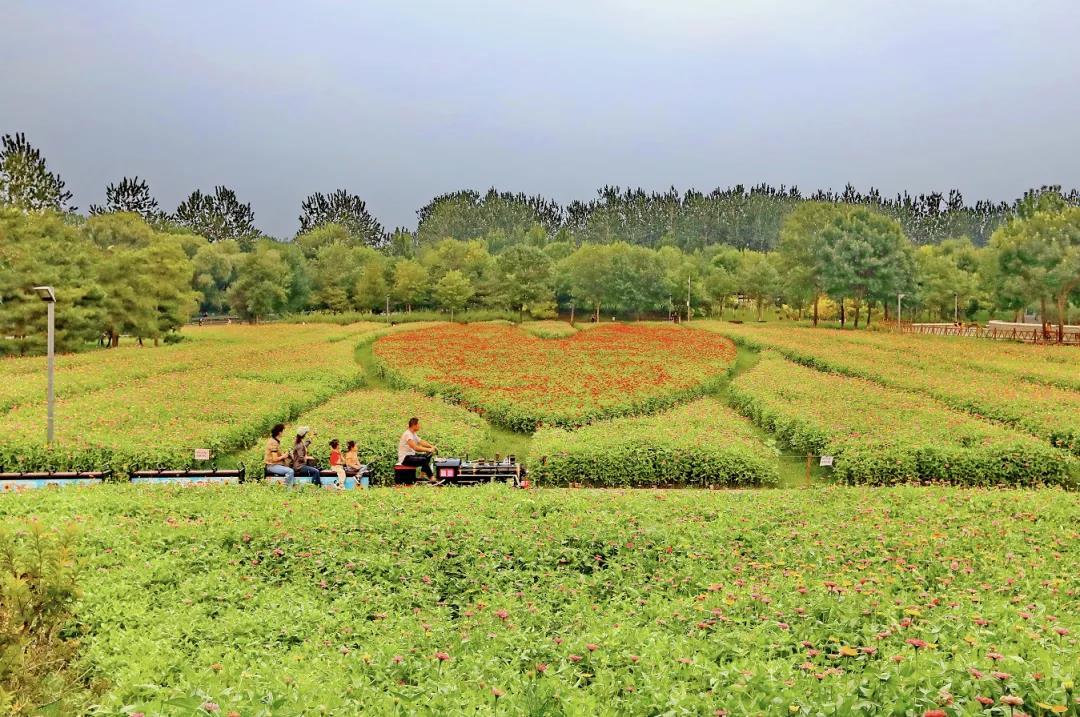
(526, 281)
(44, 250)
(25, 181)
(263, 280)
(215, 396)
(880, 435)
(218, 217)
(38, 590)
(453, 292)
(867, 257)
(268, 601)
(130, 195)
(347, 211)
(702, 443)
(1038, 258)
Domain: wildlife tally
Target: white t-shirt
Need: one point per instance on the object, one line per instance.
(403, 447)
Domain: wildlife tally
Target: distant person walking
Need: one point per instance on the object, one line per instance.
(414, 450)
(274, 461)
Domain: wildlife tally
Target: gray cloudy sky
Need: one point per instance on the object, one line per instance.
(399, 101)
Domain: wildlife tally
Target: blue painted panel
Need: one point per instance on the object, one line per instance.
(184, 479)
(16, 484)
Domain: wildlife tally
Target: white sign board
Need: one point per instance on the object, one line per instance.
(202, 454)
(826, 461)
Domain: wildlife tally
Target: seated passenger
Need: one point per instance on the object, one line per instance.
(337, 464)
(303, 464)
(353, 467)
(415, 451)
(274, 461)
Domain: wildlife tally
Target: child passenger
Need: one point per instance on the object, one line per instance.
(352, 464)
(337, 464)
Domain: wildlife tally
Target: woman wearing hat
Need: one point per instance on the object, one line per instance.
(301, 462)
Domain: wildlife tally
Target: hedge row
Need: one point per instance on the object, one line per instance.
(967, 378)
(879, 435)
(702, 443)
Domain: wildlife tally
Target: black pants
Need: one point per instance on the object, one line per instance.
(423, 460)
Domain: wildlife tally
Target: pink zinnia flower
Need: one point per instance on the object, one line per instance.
(995, 656)
(442, 656)
(397, 659)
(497, 692)
(502, 614)
(541, 667)
(1001, 675)
(917, 643)
(211, 706)
(1011, 701)
(592, 647)
(574, 658)
(984, 701)
(935, 713)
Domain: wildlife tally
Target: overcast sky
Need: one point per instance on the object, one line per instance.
(399, 101)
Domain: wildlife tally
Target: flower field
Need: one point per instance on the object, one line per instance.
(375, 420)
(522, 382)
(22, 380)
(1021, 386)
(225, 404)
(260, 601)
(880, 435)
(702, 443)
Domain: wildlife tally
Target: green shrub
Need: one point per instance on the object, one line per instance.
(37, 595)
(881, 436)
(703, 443)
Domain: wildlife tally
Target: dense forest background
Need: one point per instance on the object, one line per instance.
(129, 267)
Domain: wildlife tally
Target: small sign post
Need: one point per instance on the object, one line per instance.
(202, 454)
(826, 461)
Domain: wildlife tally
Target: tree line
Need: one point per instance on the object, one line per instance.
(131, 268)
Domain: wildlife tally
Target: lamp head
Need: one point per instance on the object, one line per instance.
(46, 294)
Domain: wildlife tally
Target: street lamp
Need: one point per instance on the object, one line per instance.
(46, 294)
(898, 298)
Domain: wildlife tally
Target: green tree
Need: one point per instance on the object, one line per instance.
(867, 258)
(410, 283)
(262, 284)
(346, 210)
(215, 268)
(526, 280)
(313, 241)
(218, 217)
(453, 292)
(130, 195)
(25, 181)
(801, 253)
(758, 279)
(372, 290)
(43, 249)
(943, 285)
(588, 272)
(402, 243)
(145, 275)
(1038, 258)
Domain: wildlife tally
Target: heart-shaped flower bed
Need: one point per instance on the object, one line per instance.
(522, 382)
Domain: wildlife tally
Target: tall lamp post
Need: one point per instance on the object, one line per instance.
(898, 298)
(46, 294)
